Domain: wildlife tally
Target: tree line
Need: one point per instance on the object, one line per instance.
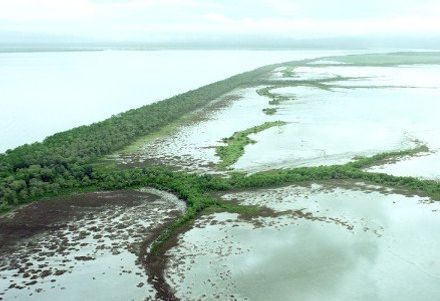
(64, 160)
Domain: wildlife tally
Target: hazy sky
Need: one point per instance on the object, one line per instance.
(160, 20)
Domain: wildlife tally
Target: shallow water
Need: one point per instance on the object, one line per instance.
(420, 103)
(323, 242)
(110, 277)
(346, 245)
(44, 93)
(330, 127)
(93, 257)
(192, 146)
(323, 126)
(425, 166)
(421, 76)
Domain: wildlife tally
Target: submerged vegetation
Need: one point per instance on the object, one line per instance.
(234, 148)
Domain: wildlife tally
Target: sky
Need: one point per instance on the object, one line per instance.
(165, 20)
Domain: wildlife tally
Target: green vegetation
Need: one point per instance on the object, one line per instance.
(65, 163)
(288, 72)
(169, 129)
(75, 162)
(270, 111)
(276, 99)
(198, 190)
(230, 153)
(429, 188)
(72, 162)
(64, 160)
(389, 157)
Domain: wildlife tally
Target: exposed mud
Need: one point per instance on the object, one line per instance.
(150, 152)
(55, 214)
(96, 235)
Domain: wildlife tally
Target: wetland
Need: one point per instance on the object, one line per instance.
(313, 179)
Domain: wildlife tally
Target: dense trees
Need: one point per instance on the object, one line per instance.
(63, 160)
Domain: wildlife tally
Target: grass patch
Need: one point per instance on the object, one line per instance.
(230, 153)
(270, 111)
(275, 99)
(388, 157)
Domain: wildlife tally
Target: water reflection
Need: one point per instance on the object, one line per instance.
(387, 251)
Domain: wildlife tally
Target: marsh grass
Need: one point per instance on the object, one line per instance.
(234, 148)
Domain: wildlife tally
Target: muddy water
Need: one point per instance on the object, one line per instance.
(83, 247)
(333, 244)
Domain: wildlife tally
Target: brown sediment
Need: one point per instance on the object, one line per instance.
(32, 234)
(54, 214)
(155, 262)
(171, 162)
(137, 159)
(330, 185)
(265, 212)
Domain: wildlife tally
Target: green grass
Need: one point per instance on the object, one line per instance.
(389, 157)
(270, 111)
(275, 99)
(234, 148)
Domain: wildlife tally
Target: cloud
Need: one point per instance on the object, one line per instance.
(153, 19)
(43, 10)
(404, 24)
